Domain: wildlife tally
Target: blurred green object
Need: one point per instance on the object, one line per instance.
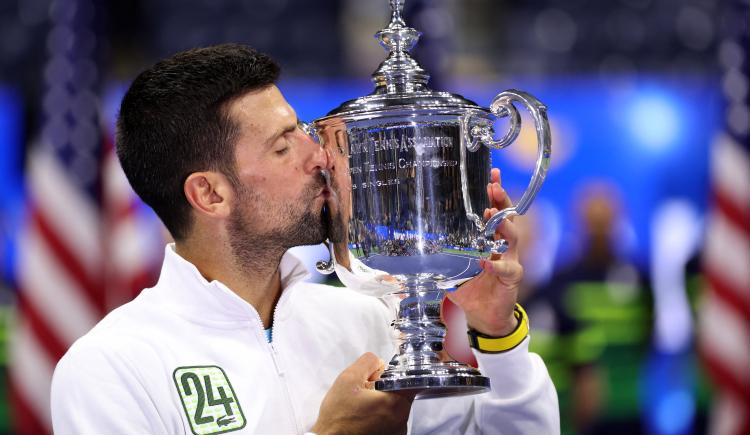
(612, 335)
(7, 315)
(616, 322)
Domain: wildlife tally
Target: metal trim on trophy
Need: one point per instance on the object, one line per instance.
(419, 161)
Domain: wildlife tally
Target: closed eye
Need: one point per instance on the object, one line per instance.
(284, 142)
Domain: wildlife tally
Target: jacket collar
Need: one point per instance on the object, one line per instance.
(183, 289)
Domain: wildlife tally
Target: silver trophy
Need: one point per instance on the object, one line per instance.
(419, 162)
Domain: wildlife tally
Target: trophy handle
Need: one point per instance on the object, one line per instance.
(502, 105)
(327, 267)
(482, 133)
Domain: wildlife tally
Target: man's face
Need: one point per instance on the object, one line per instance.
(283, 200)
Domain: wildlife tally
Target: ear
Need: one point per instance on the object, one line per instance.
(209, 193)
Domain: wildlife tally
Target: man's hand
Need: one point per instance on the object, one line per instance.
(351, 406)
(488, 299)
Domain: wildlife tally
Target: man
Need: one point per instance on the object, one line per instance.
(231, 338)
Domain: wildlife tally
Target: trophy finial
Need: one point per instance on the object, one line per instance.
(399, 72)
(398, 37)
(397, 8)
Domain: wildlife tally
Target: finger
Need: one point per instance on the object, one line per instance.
(494, 181)
(499, 197)
(495, 175)
(506, 269)
(374, 376)
(366, 366)
(509, 231)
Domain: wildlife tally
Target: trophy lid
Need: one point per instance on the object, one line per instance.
(400, 82)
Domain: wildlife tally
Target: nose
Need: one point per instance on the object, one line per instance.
(321, 157)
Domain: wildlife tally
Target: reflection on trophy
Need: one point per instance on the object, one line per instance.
(419, 162)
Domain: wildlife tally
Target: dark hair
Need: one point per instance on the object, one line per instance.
(173, 122)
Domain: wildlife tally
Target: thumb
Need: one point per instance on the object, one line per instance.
(367, 367)
(506, 269)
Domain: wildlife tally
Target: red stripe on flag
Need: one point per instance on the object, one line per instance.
(730, 385)
(728, 380)
(732, 211)
(25, 421)
(729, 295)
(54, 346)
(90, 286)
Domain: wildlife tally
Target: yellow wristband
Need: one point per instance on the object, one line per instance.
(489, 344)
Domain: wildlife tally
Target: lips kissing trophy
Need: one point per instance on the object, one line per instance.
(419, 162)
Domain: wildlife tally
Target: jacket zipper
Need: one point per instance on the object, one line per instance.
(279, 369)
(274, 355)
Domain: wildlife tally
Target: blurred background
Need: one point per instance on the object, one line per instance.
(637, 250)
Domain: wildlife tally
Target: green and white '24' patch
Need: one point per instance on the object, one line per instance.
(209, 400)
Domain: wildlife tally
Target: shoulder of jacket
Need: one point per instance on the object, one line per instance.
(125, 332)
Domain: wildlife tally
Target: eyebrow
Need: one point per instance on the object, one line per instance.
(279, 133)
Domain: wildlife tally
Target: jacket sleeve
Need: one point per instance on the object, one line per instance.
(523, 400)
(93, 393)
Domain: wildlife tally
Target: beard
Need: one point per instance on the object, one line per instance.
(261, 248)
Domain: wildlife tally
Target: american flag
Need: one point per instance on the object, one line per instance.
(725, 316)
(76, 256)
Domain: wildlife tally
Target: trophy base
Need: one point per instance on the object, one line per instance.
(451, 379)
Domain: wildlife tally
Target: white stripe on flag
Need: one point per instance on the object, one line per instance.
(73, 217)
(728, 253)
(51, 290)
(116, 186)
(724, 336)
(133, 242)
(31, 370)
(730, 170)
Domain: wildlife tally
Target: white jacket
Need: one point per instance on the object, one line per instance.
(190, 356)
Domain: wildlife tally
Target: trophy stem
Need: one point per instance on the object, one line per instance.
(421, 362)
